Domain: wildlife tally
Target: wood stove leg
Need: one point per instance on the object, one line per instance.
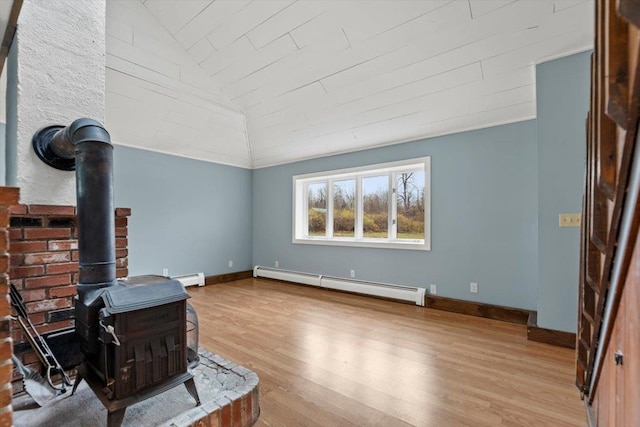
(193, 391)
(114, 419)
(76, 383)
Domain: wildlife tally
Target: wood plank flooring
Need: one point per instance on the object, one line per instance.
(326, 358)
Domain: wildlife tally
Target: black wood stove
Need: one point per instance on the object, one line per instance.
(132, 332)
(140, 349)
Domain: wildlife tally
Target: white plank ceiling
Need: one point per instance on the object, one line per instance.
(264, 82)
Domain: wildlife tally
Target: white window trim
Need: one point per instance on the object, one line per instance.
(300, 205)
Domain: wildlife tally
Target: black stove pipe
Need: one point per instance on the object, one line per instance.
(90, 144)
(85, 145)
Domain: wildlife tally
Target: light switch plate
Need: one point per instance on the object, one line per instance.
(570, 220)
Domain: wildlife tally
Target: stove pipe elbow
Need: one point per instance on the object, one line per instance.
(85, 145)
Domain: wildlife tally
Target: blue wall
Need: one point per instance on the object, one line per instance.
(496, 196)
(484, 218)
(10, 148)
(563, 102)
(188, 216)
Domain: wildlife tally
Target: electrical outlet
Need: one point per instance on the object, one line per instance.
(473, 288)
(570, 220)
(165, 272)
(277, 264)
(230, 264)
(353, 273)
(432, 289)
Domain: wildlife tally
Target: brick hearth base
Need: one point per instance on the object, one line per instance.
(228, 392)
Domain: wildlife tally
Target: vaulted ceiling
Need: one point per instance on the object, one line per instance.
(259, 83)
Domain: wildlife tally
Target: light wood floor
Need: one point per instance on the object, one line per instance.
(326, 358)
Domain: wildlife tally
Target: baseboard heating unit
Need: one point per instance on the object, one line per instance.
(385, 290)
(191, 279)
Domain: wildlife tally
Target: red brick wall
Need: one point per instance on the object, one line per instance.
(44, 266)
(8, 197)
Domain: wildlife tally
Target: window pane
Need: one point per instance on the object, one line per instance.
(317, 202)
(375, 219)
(344, 208)
(410, 187)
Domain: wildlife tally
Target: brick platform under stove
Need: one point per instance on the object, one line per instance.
(229, 395)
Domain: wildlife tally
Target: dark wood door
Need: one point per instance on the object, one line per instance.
(609, 276)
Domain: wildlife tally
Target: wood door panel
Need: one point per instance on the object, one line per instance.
(609, 295)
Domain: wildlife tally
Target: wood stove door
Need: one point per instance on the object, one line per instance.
(153, 348)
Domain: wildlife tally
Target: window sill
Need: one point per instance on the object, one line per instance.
(416, 245)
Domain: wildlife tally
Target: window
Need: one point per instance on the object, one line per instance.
(344, 208)
(317, 210)
(375, 207)
(385, 206)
